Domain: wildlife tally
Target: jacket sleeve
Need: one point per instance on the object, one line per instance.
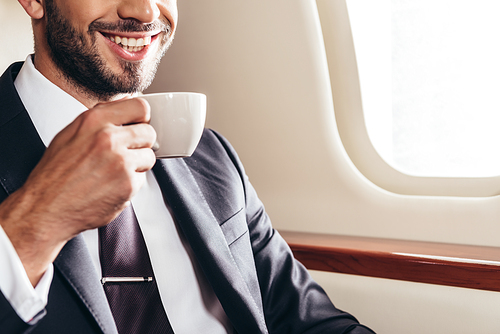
(293, 302)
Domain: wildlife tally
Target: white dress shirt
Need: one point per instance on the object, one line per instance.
(189, 301)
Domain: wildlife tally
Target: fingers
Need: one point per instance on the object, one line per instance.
(136, 136)
(114, 129)
(143, 159)
(128, 127)
(126, 119)
(115, 133)
(127, 111)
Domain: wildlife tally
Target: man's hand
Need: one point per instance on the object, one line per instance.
(86, 177)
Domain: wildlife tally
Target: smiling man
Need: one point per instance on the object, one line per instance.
(96, 235)
(105, 49)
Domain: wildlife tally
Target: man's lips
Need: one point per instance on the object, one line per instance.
(131, 42)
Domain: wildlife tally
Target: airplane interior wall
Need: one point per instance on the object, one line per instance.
(17, 38)
(263, 67)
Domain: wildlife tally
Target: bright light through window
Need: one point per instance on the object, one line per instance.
(430, 83)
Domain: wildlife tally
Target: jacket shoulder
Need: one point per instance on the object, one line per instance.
(10, 102)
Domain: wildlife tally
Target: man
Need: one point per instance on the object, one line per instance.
(219, 267)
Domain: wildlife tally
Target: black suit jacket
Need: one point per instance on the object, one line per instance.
(250, 267)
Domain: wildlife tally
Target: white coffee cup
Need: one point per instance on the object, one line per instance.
(178, 119)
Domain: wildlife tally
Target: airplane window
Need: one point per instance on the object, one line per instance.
(430, 80)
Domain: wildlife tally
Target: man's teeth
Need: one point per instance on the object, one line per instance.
(130, 43)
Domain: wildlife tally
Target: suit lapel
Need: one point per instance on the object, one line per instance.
(76, 266)
(20, 150)
(20, 146)
(192, 212)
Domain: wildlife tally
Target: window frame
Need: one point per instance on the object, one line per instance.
(346, 92)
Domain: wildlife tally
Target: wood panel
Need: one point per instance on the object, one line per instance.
(476, 267)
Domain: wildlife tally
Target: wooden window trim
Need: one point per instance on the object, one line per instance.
(476, 267)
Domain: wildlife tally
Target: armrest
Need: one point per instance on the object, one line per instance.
(476, 267)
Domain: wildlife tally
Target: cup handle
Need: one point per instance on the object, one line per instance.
(155, 146)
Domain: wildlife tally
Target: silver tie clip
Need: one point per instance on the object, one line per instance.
(125, 279)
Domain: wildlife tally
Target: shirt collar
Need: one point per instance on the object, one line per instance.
(51, 109)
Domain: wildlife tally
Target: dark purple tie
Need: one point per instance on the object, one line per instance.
(128, 278)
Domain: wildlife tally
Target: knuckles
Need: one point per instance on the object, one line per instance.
(144, 108)
(144, 134)
(105, 139)
(90, 119)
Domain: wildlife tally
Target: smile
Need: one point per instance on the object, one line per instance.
(130, 44)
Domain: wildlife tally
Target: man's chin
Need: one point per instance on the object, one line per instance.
(129, 78)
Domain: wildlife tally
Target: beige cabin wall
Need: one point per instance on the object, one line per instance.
(263, 67)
